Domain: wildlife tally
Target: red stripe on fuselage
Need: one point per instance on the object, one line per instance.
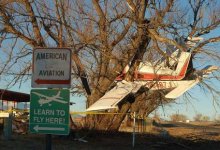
(151, 76)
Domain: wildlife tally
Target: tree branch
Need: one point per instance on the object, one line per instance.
(34, 23)
(211, 40)
(102, 21)
(122, 34)
(165, 40)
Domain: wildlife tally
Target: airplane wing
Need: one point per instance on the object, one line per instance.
(175, 93)
(208, 69)
(114, 96)
(56, 97)
(41, 95)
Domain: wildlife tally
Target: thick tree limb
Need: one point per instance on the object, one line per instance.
(34, 24)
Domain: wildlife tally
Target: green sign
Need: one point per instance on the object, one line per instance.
(49, 111)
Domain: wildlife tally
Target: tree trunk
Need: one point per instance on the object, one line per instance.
(143, 103)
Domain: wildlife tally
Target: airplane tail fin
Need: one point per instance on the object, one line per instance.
(175, 93)
(58, 95)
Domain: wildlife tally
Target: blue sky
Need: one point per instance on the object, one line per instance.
(202, 104)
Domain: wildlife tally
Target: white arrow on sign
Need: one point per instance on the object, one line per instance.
(37, 128)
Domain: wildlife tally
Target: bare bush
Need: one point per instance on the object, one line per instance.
(178, 117)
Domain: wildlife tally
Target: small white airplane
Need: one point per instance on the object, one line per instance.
(47, 100)
(155, 77)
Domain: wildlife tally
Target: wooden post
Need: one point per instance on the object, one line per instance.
(7, 129)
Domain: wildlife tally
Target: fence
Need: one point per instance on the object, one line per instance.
(79, 118)
(141, 122)
(132, 124)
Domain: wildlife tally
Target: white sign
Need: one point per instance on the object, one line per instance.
(4, 115)
(51, 68)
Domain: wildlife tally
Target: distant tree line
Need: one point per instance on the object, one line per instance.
(201, 117)
(197, 117)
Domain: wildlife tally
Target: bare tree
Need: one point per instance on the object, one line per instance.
(205, 118)
(105, 36)
(198, 117)
(217, 119)
(178, 117)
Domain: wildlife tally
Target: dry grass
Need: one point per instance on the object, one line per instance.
(171, 136)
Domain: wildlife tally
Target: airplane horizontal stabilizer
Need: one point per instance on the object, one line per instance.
(175, 93)
(205, 72)
(209, 69)
(114, 96)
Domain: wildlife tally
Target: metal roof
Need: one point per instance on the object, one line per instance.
(14, 96)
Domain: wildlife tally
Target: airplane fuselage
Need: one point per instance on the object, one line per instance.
(162, 85)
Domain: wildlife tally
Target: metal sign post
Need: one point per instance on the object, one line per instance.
(49, 109)
(48, 142)
(134, 125)
(7, 127)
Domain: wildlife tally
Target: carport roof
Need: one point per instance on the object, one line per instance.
(14, 96)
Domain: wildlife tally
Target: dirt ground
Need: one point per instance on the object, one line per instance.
(166, 136)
